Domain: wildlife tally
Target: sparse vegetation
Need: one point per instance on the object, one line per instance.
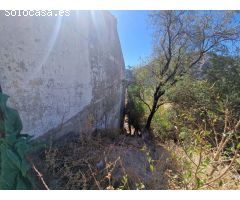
(104, 163)
(191, 98)
(182, 128)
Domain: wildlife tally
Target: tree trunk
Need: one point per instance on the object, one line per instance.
(150, 116)
(149, 121)
(157, 94)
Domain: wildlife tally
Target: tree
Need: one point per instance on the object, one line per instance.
(181, 41)
(224, 73)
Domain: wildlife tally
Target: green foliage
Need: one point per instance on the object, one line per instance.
(140, 93)
(192, 93)
(199, 166)
(135, 109)
(224, 73)
(140, 186)
(124, 183)
(205, 102)
(149, 158)
(206, 114)
(162, 124)
(196, 104)
(14, 168)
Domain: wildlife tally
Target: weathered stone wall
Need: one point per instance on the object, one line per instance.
(63, 74)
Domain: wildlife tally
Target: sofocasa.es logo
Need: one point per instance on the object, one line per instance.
(39, 13)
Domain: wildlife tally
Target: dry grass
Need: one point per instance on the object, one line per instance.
(104, 161)
(110, 161)
(225, 176)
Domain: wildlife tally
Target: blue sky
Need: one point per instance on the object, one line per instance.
(135, 35)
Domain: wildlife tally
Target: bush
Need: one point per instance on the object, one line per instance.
(162, 124)
(135, 110)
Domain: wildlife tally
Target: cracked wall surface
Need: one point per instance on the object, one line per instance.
(63, 74)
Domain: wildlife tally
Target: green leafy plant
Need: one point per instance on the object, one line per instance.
(124, 183)
(14, 166)
(149, 158)
(140, 186)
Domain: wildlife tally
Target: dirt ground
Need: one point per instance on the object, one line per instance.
(103, 161)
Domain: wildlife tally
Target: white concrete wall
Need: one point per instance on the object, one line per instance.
(53, 68)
